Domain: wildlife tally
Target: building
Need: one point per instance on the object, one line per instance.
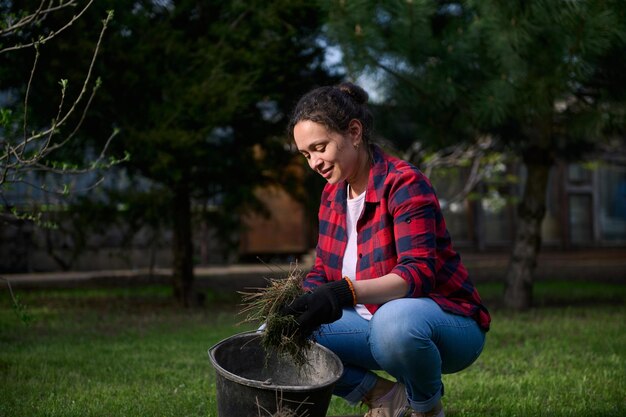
(586, 208)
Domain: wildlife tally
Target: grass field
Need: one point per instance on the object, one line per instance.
(130, 352)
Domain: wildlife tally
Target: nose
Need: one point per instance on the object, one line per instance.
(315, 163)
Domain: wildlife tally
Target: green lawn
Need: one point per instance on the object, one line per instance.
(130, 352)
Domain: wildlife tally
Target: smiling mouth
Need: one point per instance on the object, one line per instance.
(326, 173)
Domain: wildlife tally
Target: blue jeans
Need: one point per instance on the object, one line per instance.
(412, 339)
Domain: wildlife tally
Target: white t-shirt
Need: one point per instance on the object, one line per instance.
(355, 208)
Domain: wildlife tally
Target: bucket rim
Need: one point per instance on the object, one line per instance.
(259, 384)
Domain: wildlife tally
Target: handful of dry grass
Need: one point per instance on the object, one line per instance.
(263, 306)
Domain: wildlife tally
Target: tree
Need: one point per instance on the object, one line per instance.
(545, 79)
(32, 147)
(199, 92)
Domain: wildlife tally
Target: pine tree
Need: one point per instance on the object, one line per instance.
(545, 78)
(199, 92)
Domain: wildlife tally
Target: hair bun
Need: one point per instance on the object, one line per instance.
(334, 107)
(355, 92)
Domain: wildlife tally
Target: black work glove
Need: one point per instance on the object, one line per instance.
(320, 306)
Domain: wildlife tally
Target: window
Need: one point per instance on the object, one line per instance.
(580, 219)
(612, 196)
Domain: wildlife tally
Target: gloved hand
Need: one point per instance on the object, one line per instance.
(320, 306)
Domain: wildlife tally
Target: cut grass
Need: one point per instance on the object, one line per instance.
(130, 352)
(263, 307)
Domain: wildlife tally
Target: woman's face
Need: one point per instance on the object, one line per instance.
(332, 155)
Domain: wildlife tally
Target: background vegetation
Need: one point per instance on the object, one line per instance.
(543, 79)
(198, 94)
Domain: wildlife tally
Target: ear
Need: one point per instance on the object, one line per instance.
(355, 131)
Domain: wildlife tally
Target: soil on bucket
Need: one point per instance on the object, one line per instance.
(252, 383)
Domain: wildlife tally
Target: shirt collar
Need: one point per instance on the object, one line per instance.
(378, 173)
(374, 192)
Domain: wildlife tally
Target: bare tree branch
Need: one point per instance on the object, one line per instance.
(60, 120)
(24, 153)
(52, 34)
(472, 155)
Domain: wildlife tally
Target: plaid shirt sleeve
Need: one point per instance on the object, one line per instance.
(401, 231)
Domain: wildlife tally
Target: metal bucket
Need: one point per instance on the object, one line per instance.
(247, 386)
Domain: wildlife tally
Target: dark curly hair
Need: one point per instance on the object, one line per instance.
(334, 107)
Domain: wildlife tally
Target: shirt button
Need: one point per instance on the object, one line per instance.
(360, 255)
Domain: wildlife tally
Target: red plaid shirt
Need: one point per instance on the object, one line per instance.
(400, 231)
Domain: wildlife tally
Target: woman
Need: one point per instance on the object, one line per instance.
(387, 291)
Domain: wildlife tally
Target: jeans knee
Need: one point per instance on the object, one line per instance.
(397, 337)
(399, 319)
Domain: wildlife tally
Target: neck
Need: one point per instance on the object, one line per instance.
(358, 183)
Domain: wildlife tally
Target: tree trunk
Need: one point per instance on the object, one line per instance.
(518, 286)
(182, 278)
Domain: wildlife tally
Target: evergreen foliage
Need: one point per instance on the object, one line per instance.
(199, 92)
(541, 73)
(544, 78)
